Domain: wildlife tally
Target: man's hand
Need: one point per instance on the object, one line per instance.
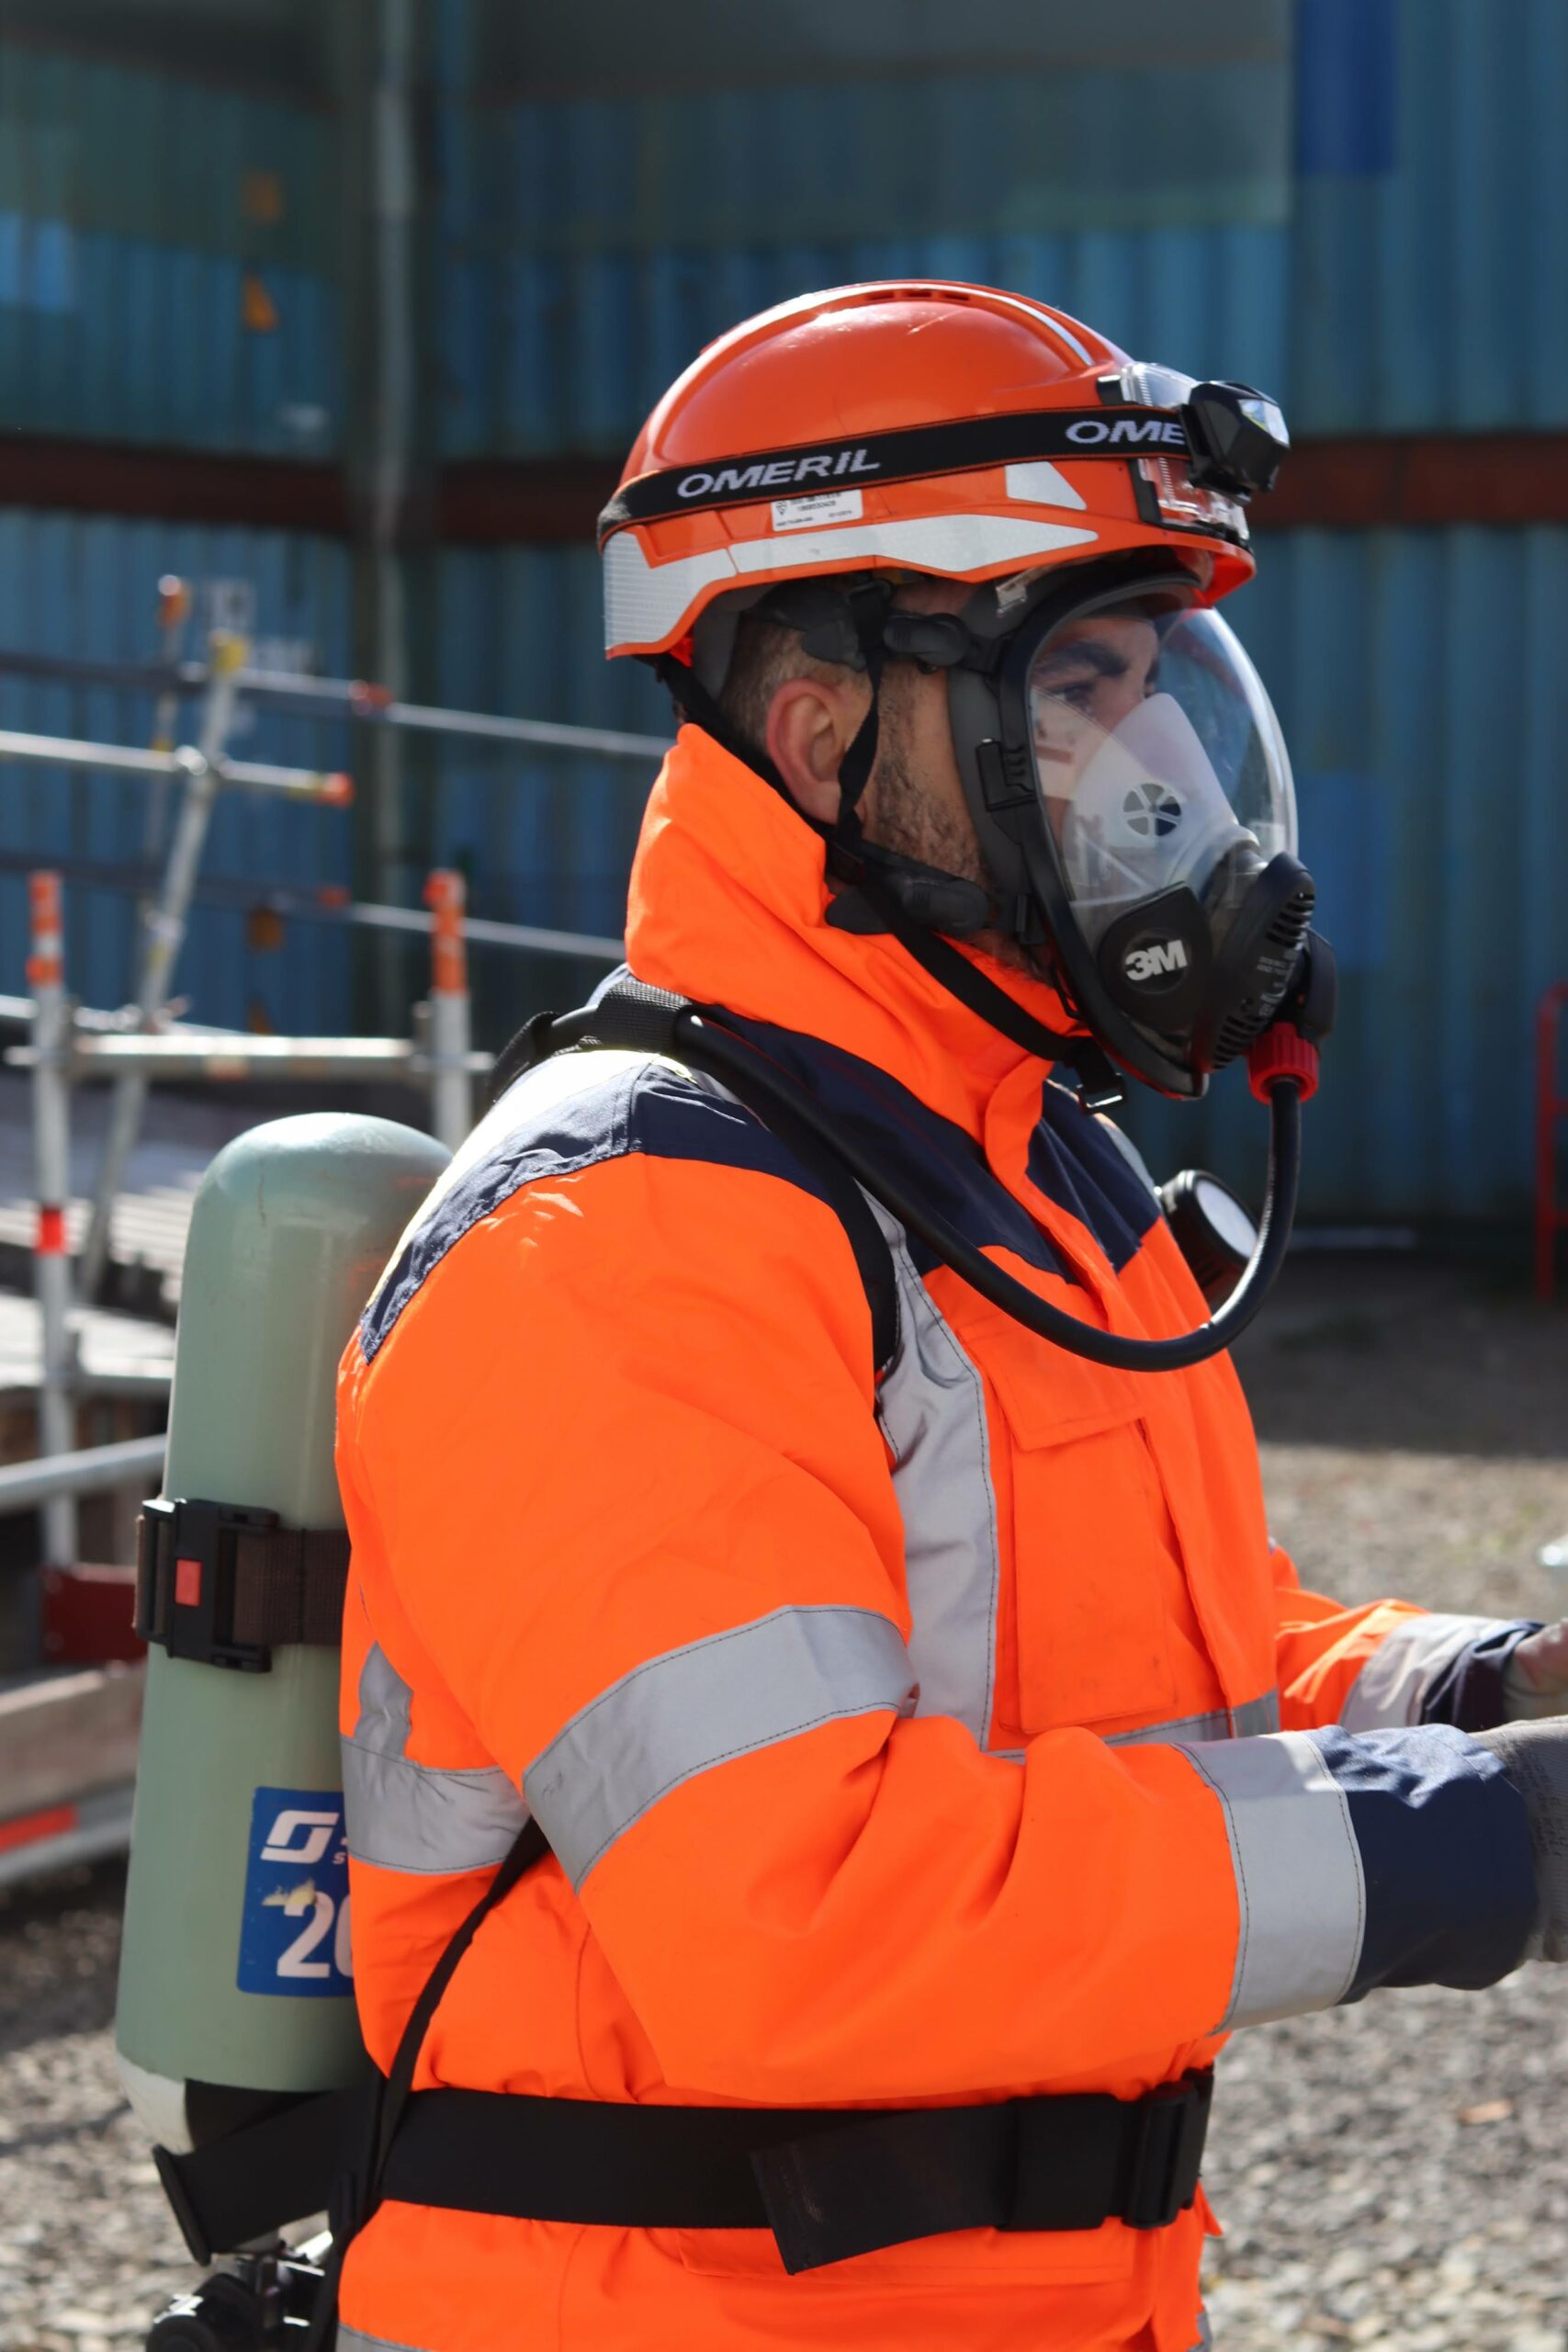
(1535, 1682)
(1535, 1757)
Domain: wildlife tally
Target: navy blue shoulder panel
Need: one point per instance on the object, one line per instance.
(649, 1108)
(936, 1160)
(1071, 1158)
(1078, 1165)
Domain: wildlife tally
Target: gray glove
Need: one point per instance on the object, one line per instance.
(1535, 1757)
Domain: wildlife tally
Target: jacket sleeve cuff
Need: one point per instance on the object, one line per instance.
(1398, 1858)
(1437, 1669)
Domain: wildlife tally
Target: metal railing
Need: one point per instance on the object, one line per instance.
(86, 1470)
(298, 694)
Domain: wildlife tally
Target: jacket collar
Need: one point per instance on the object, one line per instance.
(729, 905)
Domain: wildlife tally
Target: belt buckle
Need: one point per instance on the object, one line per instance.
(1166, 2151)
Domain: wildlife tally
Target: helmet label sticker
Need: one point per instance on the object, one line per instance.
(830, 507)
(294, 1924)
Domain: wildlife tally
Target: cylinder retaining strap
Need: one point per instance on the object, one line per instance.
(223, 1585)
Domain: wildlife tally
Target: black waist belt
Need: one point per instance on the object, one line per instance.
(829, 2183)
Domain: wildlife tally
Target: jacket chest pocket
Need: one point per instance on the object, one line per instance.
(1095, 1572)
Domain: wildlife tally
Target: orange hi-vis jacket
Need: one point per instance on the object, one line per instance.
(953, 1738)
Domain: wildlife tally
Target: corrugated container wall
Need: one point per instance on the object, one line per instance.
(1373, 225)
(591, 244)
(87, 584)
(1429, 243)
(1419, 679)
(167, 259)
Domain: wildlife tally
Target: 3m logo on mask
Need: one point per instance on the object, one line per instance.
(1161, 959)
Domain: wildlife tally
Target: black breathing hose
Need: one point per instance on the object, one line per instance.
(706, 1045)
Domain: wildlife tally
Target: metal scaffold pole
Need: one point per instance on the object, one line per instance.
(51, 1164)
(173, 609)
(451, 1102)
(165, 929)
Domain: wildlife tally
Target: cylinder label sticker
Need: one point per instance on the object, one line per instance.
(294, 1931)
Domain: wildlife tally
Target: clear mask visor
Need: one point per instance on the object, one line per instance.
(1158, 761)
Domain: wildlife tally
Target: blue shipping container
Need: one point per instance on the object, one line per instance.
(1404, 275)
(167, 260)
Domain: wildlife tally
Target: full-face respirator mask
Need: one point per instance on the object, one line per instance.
(1132, 794)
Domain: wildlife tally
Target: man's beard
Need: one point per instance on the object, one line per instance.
(912, 822)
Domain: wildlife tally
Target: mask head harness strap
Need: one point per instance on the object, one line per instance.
(855, 628)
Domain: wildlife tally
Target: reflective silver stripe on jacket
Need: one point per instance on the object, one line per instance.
(354, 2339)
(1298, 1875)
(931, 1406)
(1391, 1690)
(1221, 1723)
(1245, 1721)
(403, 1816)
(699, 1706)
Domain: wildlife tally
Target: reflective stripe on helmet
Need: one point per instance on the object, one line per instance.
(644, 603)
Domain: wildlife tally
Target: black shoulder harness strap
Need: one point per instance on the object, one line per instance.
(637, 1018)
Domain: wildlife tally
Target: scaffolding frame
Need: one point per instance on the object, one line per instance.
(61, 1054)
(221, 684)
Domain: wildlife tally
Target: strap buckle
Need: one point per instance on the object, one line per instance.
(187, 1564)
(1166, 2152)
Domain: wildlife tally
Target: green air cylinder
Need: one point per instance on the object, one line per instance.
(235, 1980)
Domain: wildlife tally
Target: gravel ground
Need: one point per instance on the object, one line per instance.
(1393, 2176)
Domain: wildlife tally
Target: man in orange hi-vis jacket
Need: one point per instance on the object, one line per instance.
(929, 1760)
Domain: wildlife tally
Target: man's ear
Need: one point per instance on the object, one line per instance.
(811, 724)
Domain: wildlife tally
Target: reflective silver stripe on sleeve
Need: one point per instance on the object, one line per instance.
(1390, 1688)
(701, 1705)
(403, 1816)
(1221, 1723)
(1299, 1883)
(932, 1409)
(354, 2339)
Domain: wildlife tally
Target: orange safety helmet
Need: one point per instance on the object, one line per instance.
(920, 426)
